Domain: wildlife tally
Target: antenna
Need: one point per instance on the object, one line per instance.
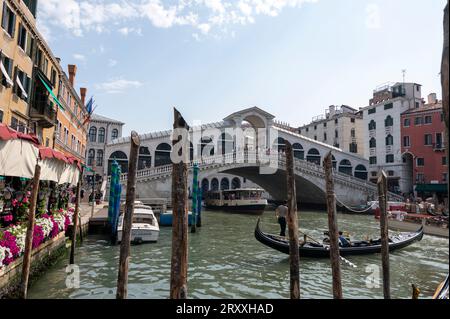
(404, 74)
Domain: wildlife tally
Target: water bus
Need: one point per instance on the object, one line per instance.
(243, 200)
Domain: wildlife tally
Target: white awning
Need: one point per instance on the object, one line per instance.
(5, 74)
(19, 83)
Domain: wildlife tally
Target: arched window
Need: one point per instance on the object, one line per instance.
(91, 157)
(99, 161)
(345, 167)
(279, 144)
(235, 183)
(114, 134)
(206, 142)
(145, 158)
(162, 155)
(93, 134)
(361, 172)
(225, 184)
(389, 140)
(373, 142)
(121, 158)
(389, 121)
(298, 151)
(214, 184)
(225, 144)
(372, 125)
(205, 185)
(101, 135)
(313, 156)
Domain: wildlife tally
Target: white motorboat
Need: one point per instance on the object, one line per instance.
(145, 227)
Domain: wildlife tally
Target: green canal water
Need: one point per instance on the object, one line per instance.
(226, 261)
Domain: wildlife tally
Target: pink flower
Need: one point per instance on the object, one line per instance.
(28, 194)
(14, 202)
(38, 236)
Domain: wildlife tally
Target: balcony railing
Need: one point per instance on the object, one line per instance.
(44, 114)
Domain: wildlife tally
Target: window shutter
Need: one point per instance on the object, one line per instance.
(13, 30)
(4, 16)
(15, 86)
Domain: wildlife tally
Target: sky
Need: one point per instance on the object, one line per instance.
(210, 58)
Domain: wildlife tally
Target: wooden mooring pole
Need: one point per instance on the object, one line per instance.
(445, 88)
(292, 221)
(76, 220)
(179, 262)
(382, 201)
(122, 281)
(29, 239)
(333, 228)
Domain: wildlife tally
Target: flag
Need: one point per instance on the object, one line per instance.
(90, 110)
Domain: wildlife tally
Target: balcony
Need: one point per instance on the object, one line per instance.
(439, 147)
(389, 149)
(373, 152)
(372, 133)
(44, 115)
(389, 130)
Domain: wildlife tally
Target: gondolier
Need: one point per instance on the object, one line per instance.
(281, 214)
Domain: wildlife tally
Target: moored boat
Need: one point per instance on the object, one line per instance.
(312, 249)
(145, 227)
(432, 225)
(245, 200)
(442, 291)
(165, 219)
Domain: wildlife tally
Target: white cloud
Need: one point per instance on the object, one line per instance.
(118, 85)
(126, 31)
(79, 57)
(81, 16)
(112, 63)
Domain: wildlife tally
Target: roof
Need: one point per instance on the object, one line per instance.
(101, 118)
(425, 108)
(255, 109)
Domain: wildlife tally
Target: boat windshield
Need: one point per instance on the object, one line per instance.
(143, 219)
(242, 194)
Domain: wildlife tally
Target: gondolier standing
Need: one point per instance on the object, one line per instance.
(281, 213)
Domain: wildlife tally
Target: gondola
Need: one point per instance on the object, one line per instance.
(442, 290)
(311, 249)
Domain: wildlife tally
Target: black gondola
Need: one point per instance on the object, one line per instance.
(311, 249)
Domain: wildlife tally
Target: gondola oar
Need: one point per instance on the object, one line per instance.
(348, 262)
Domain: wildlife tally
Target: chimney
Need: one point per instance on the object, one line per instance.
(432, 98)
(72, 74)
(59, 60)
(331, 110)
(83, 95)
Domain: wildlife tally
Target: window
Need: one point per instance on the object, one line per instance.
(389, 121)
(114, 134)
(353, 148)
(391, 173)
(22, 38)
(324, 136)
(91, 157)
(353, 133)
(14, 123)
(101, 135)
(444, 177)
(1, 116)
(336, 134)
(439, 142)
(428, 119)
(406, 141)
(373, 143)
(25, 81)
(390, 158)
(417, 88)
(420, 178)
(444, 160)
(73, 142)
(53, 77)
(66, 135)
(8, 20)
(406, 122)
(418, 121)
(428, 139)
(336, 121)
(373, 160)
(315, 127)
(417, 105)
(47, 142)
(420, 161)
(93, 134)
(315, 137)
(325, 124)
(389, 140)
(99, 161)
(352, 120)
(442, 117)
(372, 111)
(8, 64)
(388, 106)
(307, 129)
(372, 125)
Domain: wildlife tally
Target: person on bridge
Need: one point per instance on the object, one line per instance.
(281, 214)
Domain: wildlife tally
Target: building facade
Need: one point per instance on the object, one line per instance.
(382, 131)
(31, 82)
(102, 130)
(341, 127)
(423, 148)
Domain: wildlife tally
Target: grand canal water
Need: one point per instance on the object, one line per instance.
(226, 261)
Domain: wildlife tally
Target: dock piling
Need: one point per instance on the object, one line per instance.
(333, 227)
(29, 238)
(382, 201)
(122, 281)
(76, 220)
(179, 261)
(292, 221)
